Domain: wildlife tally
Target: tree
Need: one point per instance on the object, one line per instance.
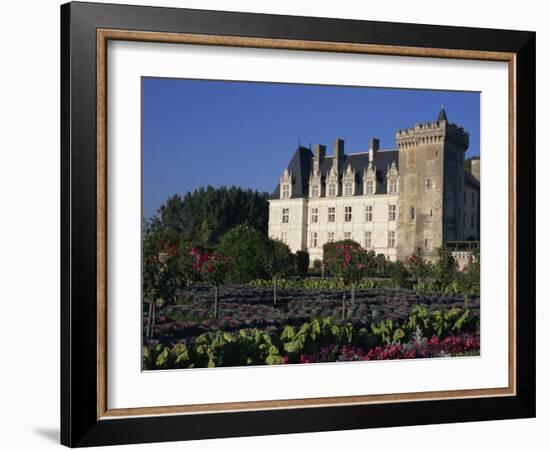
(445, 269)
(213, 268)
(206, 214)
(331, 253)
(278, 262)
(159, 275)
(381, 264)
(398, 273)
(301, 262)
(419, 267)
(468, 278)
(349, 262)
(248, 248)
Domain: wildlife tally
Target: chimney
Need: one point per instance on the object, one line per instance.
(374, 145)
(319, 152)
(338, 154)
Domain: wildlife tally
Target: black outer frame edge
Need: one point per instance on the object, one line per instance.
(525, 223)
(79, 426)
(65, 226)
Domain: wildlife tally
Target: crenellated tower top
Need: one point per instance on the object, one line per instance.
(432, 132)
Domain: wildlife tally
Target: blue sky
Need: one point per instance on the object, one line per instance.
(199, 132)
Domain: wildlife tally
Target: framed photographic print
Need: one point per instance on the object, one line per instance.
(277, 224)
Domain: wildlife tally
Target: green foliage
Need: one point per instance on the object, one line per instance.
(247, 347)
(445, 269)
(248, 249)
(468, 278)
(278, 259)
(256, 347)
(206, 214)
(348, 261)
(387, 331)
(302, 263)
(439, 323)
(322, 283)
(161, 277)
(398, 273)
(419, 267)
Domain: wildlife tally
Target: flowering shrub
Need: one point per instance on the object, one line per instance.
(350, 263)
(213, 268)
(160, 278)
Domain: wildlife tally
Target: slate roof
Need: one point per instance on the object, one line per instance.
(302, 162)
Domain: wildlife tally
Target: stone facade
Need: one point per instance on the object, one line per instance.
(395, 201)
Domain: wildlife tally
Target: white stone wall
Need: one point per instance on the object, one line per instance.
(300, 224)
(292, 233)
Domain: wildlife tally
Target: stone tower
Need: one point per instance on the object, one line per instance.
(431, 186)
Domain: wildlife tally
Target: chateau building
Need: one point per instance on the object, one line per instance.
(416, 196)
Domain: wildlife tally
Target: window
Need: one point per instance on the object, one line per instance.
(464, 219)
(314, 215)
(315, 190)
(391, 239)
(331, 214)
(348, 188)
(347, 214)
(431, 213)
(370, 187)
(332, 190)
(392, 212)
(426, 244)
(285, 215)
(473, 199)
(464, 197)
(347, 235)
(429, 183)
(411, 213)
(368, 213)
(473, 221)
(368, 239)
(460, 184)
(284, 237)
(330, 236)
(313, 239)
(393, 186)
(459, 215)
(286, 191)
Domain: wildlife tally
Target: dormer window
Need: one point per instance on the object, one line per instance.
(348, 188)
(332, 183)
(393, 179)
(369, 187)
(349, 181)
(315, 190)
(286, 184)
(369, 180)
(285, 190)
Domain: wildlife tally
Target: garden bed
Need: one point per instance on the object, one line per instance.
(245, 307)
